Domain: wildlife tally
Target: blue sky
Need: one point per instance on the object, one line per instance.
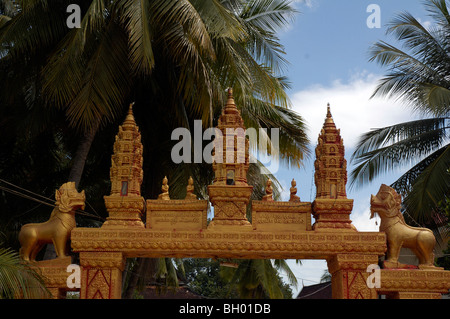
(327, 47)
(329, 39)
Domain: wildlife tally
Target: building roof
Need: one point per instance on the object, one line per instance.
(318, 291)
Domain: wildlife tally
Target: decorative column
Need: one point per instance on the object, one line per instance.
(125, 204)
(331, 208)
(230, 193)
(101, 275)
(349, 276)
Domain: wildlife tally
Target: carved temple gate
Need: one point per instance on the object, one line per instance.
(278, 230)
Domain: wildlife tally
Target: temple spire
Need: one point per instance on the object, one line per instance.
(330, 164)
(331, 208)
(230, 193)
(126, 170)
(125, 204)
(231, 151)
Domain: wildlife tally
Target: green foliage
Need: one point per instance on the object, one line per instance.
(419, 75)
(170, 57)
(63, 87)
(256, 279)
(140, 272)
(203, 277)
(259, 278)
(18, 280)
(444, 261)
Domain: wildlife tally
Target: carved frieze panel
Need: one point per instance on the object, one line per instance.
(211, 243)
(281, 216)
(414, 281)
(177, 214)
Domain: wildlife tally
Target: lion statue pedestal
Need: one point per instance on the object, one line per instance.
(57, 229)
(421, 241)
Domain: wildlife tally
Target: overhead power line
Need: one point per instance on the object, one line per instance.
(22, 192)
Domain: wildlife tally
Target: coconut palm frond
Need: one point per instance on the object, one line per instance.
(382, 150)
(417, 73)
(263, 18)
(282, 265)
(430, 186)
(18, 280)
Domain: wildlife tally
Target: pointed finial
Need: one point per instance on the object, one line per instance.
(130, 109)
(230, 107)
(329, 119)
(129, 120)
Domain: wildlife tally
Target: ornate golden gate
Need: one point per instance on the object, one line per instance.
(278, 230)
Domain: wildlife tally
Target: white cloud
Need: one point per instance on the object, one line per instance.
(352, 109)
(363, 223)
(308, 3)
(300, 6)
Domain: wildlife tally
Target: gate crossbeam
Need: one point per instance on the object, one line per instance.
(228, 244)
(276, 230)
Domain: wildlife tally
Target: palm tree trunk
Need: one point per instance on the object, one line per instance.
(134, 277)
(82, 152)
(145, 271)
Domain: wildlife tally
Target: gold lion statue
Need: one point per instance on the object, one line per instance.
(421, 241)
(57, 229)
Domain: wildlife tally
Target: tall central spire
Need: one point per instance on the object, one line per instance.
(231, 151)
(330, 164)
(331, 208)
(126, 169)
(230, 192)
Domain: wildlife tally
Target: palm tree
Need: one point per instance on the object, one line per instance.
(171, 57)
(326, 276)
(19, 280)
(256, 278)
(419, 75)
(125, 49)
